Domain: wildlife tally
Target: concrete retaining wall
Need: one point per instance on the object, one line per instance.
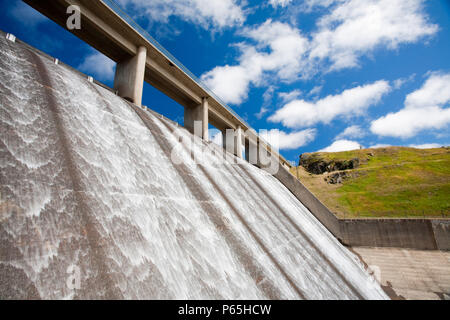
(441, 230)
(424, 234)
(400, 233)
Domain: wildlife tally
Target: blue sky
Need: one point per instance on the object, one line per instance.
(319, 74)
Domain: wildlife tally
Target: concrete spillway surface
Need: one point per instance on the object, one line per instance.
(94, 204)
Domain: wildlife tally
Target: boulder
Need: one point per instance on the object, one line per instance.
(316, 165)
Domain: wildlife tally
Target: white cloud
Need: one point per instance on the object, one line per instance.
(230, 83)
(286, 48)
(310, 5)
(289, 96)
(286, 44)
(417, 146)
(408, 122)
(206, 13)
(286, 141)
(342, 145)
(268, 97)
(351, 102)
(426, 145)
(354, 28)
(350, 30)
(99, 66)
(354, 132)
(315, 91)
(261, 112)
(398, 83)
(281, 3)
(435, 91)
(426, 108)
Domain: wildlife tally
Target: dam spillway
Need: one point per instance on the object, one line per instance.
(96, 188)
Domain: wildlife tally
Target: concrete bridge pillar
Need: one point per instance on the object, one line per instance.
(129, 78)
(196, 119)
(228, 140)
(251, 151)
(238, 142)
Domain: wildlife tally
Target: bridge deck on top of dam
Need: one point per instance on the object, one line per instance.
(112, 32)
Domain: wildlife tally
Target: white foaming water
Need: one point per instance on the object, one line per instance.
(137, 225)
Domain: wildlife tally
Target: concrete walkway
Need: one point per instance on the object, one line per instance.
(409, 274)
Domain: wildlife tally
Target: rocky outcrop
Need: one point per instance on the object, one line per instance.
(336, 178)
(317, 165)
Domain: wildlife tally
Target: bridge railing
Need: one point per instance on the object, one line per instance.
(119, 11)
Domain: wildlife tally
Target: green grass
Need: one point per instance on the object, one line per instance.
(390, 182)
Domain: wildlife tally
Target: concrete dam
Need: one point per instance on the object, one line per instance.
(101, 199)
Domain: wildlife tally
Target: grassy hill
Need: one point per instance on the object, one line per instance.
(382, 182)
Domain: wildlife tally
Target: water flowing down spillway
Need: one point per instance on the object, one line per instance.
(94, 204)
